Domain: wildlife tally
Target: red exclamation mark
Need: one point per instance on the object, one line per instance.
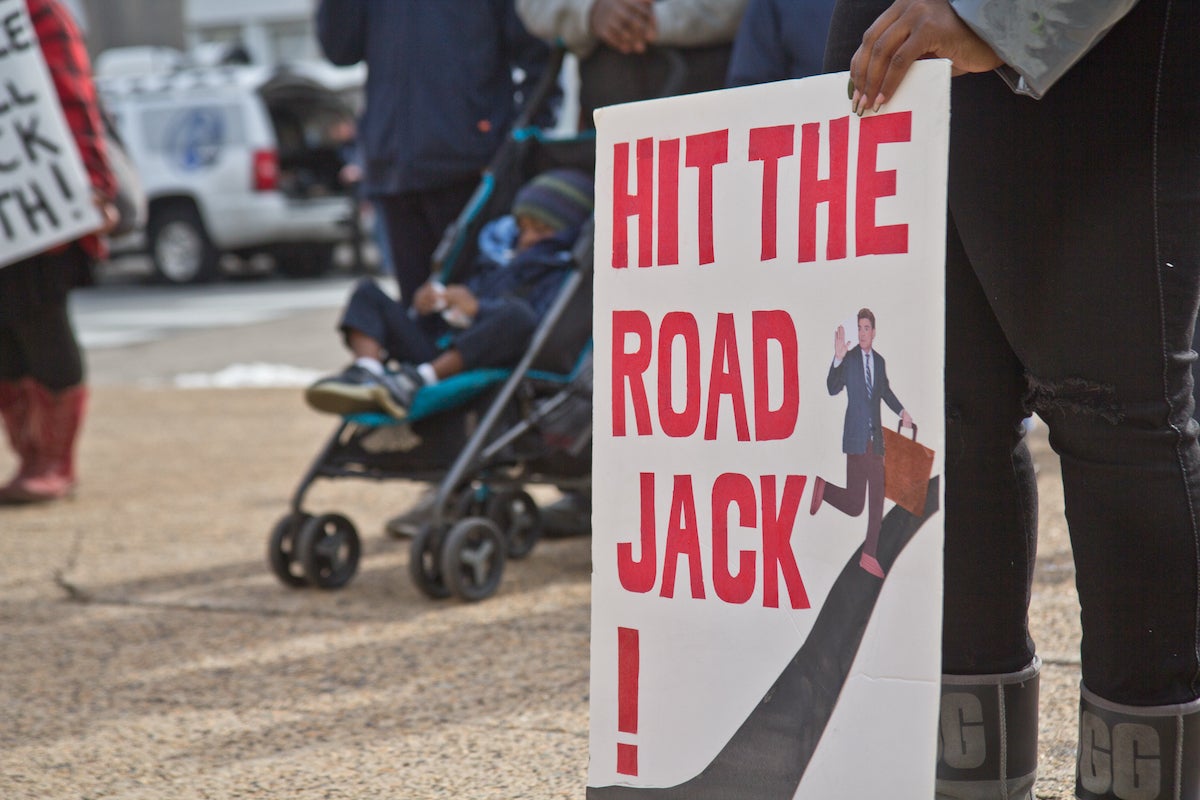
(628, 661)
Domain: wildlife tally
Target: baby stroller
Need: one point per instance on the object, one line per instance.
(481, 436)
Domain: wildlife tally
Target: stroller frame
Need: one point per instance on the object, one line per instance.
(481, 514)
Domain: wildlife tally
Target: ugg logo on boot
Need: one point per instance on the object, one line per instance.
(961, 738)
(1124, 760)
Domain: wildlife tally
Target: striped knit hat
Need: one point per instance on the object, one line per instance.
(561, 198)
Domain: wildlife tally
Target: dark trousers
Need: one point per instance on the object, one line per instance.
(415, 222)
(864, 487)
(42, 346)
(607, 76)
(37, 339)
(497, 339)
(1072, 287)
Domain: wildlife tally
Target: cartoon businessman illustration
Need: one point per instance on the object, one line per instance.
(862, 372)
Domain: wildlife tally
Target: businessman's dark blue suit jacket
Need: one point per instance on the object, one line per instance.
(849, 376)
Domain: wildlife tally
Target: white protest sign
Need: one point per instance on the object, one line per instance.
(45, 194)
(742, 645)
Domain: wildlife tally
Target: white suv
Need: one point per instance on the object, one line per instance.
(234, 159)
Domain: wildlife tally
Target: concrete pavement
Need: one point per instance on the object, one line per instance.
(149, 653)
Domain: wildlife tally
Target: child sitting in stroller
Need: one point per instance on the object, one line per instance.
(485, 322)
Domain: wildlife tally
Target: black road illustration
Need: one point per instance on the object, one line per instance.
(772, 748)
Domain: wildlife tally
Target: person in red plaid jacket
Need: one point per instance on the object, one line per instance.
(42, 391)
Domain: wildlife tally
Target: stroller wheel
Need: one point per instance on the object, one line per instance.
(328, 547)
(424, 564)
(519, 518)
(281, 550)
(473, 558)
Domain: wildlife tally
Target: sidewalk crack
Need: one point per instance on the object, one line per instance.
(74, 593)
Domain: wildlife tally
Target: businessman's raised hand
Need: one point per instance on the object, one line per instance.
(840, 348)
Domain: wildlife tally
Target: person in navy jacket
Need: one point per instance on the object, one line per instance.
(440, 98)
(778, 40)
(862, 372)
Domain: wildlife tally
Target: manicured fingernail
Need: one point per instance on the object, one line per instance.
(854, 100)
(861, 105)
(879, 101)
(850, 89)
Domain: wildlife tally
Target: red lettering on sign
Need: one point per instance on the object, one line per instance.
(768, 145)
(776, 522)
(682, 326)
(628, 678)
(668, 202)
(868, 237)
(683, 539)
(628, 204)
(629, 368)
(638, 575)
(775, 326)
(733, 489)
(704, 151)
(777, 525)
(827, 142)
(831, 190)
(726, 379)
(679, 334)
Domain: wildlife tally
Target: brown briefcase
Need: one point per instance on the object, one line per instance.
(906, 470)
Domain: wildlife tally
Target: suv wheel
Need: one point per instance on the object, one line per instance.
(180, 247)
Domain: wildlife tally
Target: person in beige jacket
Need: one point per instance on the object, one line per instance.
(638, 49)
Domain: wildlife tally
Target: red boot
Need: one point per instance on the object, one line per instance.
(17, 410)
(57, 418)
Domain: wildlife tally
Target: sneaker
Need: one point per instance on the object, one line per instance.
(351, 391)
(394, 391)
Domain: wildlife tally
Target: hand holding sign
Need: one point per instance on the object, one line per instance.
(909, 30)
(109, 215)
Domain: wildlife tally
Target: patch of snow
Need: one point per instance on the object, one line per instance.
(241, 376)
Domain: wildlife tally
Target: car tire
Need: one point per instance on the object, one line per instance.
(180, 247)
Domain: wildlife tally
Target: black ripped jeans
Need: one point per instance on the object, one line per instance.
(1072, 285)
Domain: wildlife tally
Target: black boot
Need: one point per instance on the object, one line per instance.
(987, 736)
(570, 515)
(1137, 752)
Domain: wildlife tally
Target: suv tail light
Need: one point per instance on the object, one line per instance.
(266, 170)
